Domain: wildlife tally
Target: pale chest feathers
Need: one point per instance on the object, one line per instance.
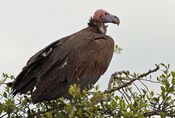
(102, 30)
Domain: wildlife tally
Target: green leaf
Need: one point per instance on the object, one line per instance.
(80, 113)
(168, 65)
(168, 98)
(74, 90)
(162, 88)
(162, 114)
(10, 105)
(156, 99)
(173, 73)
(166, 83)
(152, 93)
(163, 94)
(122, 104)
(5, 94)
(173, 81)
(162, 64)
(113, 104)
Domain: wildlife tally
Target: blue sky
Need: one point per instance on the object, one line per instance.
(146, 32)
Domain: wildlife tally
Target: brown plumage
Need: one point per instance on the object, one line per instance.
(80, 58)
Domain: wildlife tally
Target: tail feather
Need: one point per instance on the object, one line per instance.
(27, 87)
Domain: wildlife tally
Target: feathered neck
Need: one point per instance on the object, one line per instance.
(99, 27)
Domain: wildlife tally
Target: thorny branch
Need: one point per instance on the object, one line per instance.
(131, 81)
(122, 84)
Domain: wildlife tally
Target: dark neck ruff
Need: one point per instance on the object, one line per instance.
(99, 27)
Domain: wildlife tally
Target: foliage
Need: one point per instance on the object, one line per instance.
(128, 95)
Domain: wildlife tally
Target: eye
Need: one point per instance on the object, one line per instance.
(106, 13)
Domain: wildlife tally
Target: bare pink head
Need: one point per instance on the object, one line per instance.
(102, 16)
(98, 14)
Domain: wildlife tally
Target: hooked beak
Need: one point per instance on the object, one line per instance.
(110, 19)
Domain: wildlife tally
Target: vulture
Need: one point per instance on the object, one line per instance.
(80, 58)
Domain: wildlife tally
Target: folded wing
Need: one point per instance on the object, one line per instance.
(80, 58)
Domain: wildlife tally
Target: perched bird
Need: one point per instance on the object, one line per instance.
(80, 58)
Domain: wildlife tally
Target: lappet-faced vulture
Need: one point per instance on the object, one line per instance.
(80, 58)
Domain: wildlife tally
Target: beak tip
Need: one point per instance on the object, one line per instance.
(117, 21)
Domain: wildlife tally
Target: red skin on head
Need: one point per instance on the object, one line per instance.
(98, 14)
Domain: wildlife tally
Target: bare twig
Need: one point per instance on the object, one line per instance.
(137, 88)
(150, 81)
(124, 96)
(145, 86)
